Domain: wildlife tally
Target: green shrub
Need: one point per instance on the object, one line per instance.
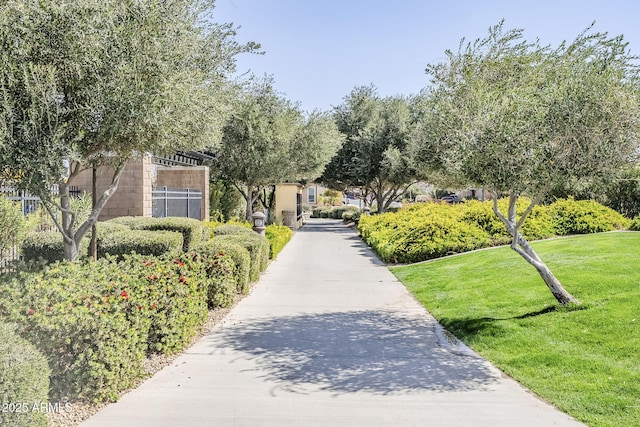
(45, 245)
(133, 222)
(427, 238)
(222, 282)
(428, 230)
(585, 216)
(95, 322)
(352, 216)
(337, 212)
(258, 247)
(24, 380)
(278, 236)
(227, 229)
(193, 231)
(321, 212)
(92, 349)
(169, 292)
(240, 256)
(635, 224)
(124, 242)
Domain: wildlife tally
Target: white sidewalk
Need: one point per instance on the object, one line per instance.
(329, 337)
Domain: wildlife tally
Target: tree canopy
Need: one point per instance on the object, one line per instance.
(374, 156)
(516, 117)
(268, 140)
(97, 82)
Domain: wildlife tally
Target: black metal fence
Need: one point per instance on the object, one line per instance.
(182, 202)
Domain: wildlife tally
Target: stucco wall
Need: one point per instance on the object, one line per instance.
(286, 201)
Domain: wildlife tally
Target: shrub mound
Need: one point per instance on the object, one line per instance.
(238, 253)
(24, 380)
(258, 247)
(120, 242)
(193, 231)
(278, 236)
(428, 230)
(96, 322)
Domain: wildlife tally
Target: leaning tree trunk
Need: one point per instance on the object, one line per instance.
(524, 249)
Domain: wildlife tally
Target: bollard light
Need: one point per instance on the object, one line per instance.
(259, 222)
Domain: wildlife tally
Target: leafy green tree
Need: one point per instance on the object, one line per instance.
(374, 156)
(518, 118)
(269, 140)
(97, 82)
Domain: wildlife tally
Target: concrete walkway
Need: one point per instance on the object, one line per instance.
(329, 337)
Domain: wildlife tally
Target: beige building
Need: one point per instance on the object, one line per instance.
(288, 204)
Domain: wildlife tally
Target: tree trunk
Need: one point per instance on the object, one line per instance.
(249, 198)
(524, 249)
(554, 285)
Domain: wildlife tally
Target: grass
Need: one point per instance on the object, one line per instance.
(584, 360)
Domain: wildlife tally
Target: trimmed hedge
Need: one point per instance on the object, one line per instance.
(124, 242)
(24, 380)
(258, 247)
(193, 231)
(429, 230)
(229, 229)
(96, 322)
(45, 245)
(238, 253)
(278, 236)
(222, 282)
(635, 224)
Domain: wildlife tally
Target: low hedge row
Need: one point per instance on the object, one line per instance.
(335, 212)
(256, 245)
(194, 232)
(119, 240)
(238, 253)
(96, 322)
(24, 380)
(278, 236)
(427, 230)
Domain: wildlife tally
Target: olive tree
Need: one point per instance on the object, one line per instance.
(268, 140)
(373, 157)
(518, 118)
(97, 82)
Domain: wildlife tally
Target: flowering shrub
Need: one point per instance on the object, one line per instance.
(96, 322)
(238, 253)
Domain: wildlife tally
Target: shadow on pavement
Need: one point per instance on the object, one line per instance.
(346, 352)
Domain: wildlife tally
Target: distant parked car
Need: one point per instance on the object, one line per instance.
(451, 198)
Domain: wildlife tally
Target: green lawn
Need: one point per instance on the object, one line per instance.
(585, 361)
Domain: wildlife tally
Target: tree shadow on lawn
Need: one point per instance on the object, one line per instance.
(347, 352)
(465, 328)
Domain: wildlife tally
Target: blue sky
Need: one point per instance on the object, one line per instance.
(319, 50)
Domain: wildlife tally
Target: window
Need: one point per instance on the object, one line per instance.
(311, 195)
